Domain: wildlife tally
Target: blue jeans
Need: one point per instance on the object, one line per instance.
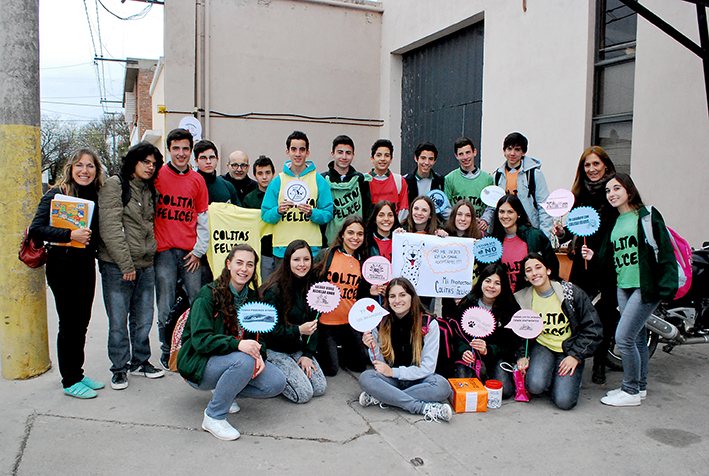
(129, 306)
(230, 377)
(411, 395)
(543, 374)
(631, 338)
(169, 265)
(268, 266)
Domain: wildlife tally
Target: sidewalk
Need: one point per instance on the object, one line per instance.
(154, 427)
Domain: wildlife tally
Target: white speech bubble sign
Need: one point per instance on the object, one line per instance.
(323, 297)
(492, 194)
(478, 322)
(377, 270)
(257, 317)
(297, 191)
(559, 202)
(526, 323)
(366, 314)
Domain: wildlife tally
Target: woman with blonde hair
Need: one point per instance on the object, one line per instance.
(71, 271)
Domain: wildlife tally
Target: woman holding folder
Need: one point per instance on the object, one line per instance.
(71, 268)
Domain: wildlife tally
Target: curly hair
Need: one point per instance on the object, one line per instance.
(224, 297)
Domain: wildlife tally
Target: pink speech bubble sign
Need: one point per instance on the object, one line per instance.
(377, 270)
(559, 202)
(323, 297)
(366, 314)
(478, 322)
(526, 323)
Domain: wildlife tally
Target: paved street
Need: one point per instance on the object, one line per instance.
(153, 427)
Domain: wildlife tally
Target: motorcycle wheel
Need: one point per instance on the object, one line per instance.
(615, 362)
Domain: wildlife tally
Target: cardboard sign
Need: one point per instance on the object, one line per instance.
(440, 200)
(488, 250)
(526, 323)
(559, 202)
(377, 270)
(583, 221)
(492, 194)
(478, 322)
(257, 317)
(297, 191)
(323, 297)
(435, 266)
(366, 314)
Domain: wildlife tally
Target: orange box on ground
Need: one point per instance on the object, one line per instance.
(469, 395)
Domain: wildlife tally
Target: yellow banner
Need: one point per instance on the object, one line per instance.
(230, 225)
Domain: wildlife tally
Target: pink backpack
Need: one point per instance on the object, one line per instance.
(683, 253)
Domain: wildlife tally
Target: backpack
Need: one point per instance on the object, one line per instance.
(450, 330)
(531, 184)
(683, 254)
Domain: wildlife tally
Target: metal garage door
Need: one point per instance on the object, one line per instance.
(442, 87)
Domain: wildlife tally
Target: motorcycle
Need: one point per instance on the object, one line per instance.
(684, 321)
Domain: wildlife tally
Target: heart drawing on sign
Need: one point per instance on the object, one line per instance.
(370, 308)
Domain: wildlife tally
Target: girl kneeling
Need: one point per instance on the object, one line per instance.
(572, 331)
(293, 342)
(405, 358)
(217, 354)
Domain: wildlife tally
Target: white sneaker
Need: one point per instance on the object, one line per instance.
(643, 393)
(219, 428)
(622, 399)
(234, 408)
(436, 411)
(366, 399)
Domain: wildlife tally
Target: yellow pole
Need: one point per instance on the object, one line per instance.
(24, 349)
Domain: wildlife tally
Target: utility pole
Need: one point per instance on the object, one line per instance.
(24, 349)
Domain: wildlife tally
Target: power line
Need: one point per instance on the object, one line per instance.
(137, 16)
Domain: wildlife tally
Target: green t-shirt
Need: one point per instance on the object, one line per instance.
(624, 239)
(457, 186)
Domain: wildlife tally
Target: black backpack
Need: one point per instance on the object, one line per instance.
(450, 332)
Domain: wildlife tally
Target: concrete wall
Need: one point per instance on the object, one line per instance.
(671, 123)
(278, 57)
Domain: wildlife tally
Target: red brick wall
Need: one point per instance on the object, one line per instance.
(144, 106)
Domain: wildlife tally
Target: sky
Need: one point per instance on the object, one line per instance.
(69, 87)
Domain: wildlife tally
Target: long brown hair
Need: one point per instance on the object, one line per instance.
(288, 283)
(67, 184)
(432, 223)
(634, 200)
(361, 253)
(473, 231)
(581, 176)
(224, 297)
(416, 313)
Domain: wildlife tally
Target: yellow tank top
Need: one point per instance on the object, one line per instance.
(294, 224)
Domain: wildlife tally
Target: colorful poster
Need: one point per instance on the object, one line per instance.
(435, 266)
(72, 213)
(230, 225)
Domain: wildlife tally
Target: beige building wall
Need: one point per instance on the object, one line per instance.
(670, 154)
(276, 58)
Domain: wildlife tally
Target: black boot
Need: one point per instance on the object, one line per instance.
(599, 373)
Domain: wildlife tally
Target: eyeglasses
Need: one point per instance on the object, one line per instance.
(148, 163)
(239, 166)
(207, 157)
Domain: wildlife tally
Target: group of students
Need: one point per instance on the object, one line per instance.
(150, 228)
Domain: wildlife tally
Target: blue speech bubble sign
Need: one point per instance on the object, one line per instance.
(488, 250)
(258, 317)
(440, 200)
(583, 221)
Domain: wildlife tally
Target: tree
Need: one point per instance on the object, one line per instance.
(109, 137)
